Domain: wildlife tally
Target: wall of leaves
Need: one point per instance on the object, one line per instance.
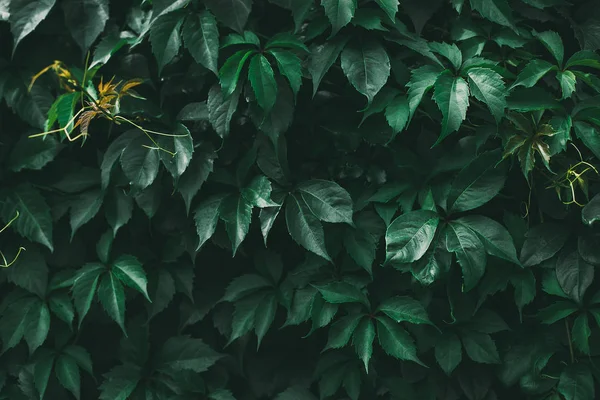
(299, 199)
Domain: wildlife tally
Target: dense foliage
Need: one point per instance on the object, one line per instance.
(299, 199)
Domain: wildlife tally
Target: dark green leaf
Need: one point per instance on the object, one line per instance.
(452, 97)
(263, 82)
(165, 37)
(233, 13)
(201, 38)
(304, 227)
(366, 65)
(327, 200)
(395, 341)
(26, 15)
(339, 12)
(408, 237)
(85, 19)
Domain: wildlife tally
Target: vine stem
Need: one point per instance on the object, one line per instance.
(570, 341)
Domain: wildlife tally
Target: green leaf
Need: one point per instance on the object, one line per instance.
(229, 74)
(421, 81)
(404, 308)
(367, 66)
(221, 109)
(196, 174)
(295, 393)
(33, 153)
(450, 52)
(265, 314)
(390, 7)
(397, 113)
(120, 382)
(552, 41)
(524, 283)
(327, 200)
(84, 208)
(185, 353)
(395, 341)
(557, 311)
(201, 38)
(85, 286)
(129, 271)
(487, 86)
(322, 58)
(263, 82)
(448, 353)
(304, 227)
(574, 275)
(85, 20)
(26, 15)
(591, 211)
(182, 146)
(341, 331)
(139, 163)
(37, 325)
(480, 348)
(34, 221)
(61, 306)
(469, 251)
(113, 153)
(452, 97)
(581, 333)
(30, 272)
(477, 183)
(112, 298)
(408, 237)
(119, 209)
(41, 372)
(286, 40)
(14, 322)
(339, 12)
(165, 37)
(589, 135)
(232, 13)
(206, 216)
(258, 192)
(497, 11)
(236, 212)
(81, 357)
(342, 292)
(364, 335)
(67, 373)
(584, 58)
(495, 238)
(543, 242)
(244, 315)
(289, 66)
(532, 73)
(162, 7)
(567, 82)
(576, 383)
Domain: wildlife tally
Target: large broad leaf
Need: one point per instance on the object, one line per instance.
(404, 308)
(139, 163)
(84, 288)
(221, 109)
(263, 82)
(185, 353)
(532, 73)
(543, 242)
(67, 372)
(201, 38)
(452, 97)
(34, 221)
(408, 237)
(233, 13)
(397, 113)
(495, 237)
(480, 348)
(236, 212)
(576, 383)
(327, 200)
(165, 37)
(26, 15)
(206, 217)
(33, 154)
(322, 58)
(112, 297)
(477, 183)
(589, 135)
(574, 275)
(84, 208)
(395, 341)
(258, 192)
(304, 227)
(85, 20)
(552, 41)
(421, 81)
(448, 353)
(487, 86)
(129, 271)
(367, 66)
(497, 11)
(470, 253)
(364, 335)
(339, 12)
